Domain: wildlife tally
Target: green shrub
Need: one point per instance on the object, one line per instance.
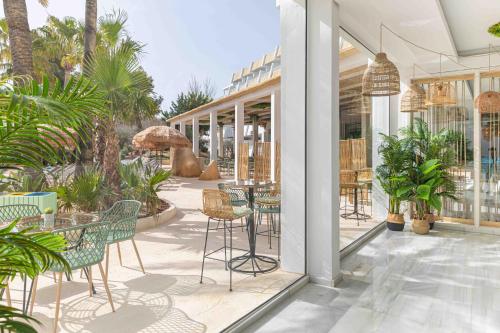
(495, 29)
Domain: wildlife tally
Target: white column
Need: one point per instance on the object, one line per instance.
(322, 194)
(477, 154)
(182, 127)
(293, 97)
(213, 136)
(196, 136)
(239, 124)
(275, 128)
(221, 141)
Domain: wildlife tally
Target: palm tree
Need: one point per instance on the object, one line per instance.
(90, 29)
(142, 103)
(57, 47)
(117, 73)
(20, 35)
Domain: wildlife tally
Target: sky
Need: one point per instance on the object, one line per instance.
(208, 39)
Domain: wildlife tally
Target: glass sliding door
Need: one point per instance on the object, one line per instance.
(361, 118)
(457, 119)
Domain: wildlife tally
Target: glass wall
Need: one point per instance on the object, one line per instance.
(362, 205)
(456, 118)
(490, 172)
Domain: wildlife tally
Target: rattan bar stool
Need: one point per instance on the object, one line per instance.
(237, 195)
(217, 206)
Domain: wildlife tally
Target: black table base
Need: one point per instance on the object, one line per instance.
(255, 264)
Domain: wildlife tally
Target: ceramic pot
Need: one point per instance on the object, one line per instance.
(48, 220)
(420, 227)
(395, 222)
(430, 219)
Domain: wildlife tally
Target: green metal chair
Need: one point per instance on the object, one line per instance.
(85, 248)
(11, 212)
(269, 204)
(122, 218)
(237, 195)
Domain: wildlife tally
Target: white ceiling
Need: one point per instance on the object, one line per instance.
(455, 27)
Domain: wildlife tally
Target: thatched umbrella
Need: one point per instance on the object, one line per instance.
(160, 138)
(66, 139)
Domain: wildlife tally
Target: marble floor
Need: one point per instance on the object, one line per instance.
(402, 282)
(169, 297)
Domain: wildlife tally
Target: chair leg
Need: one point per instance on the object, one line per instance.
(55, 278)
(119, 253)
(107, 260)
(225, 245)
(138, 256)
(33, 295)
(105, 281)
(58, 299)
(204, 252)
(230, 256)
(269, 230)
(241, 223)
(89, 280)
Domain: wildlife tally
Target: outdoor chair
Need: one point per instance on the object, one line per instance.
(122, 219)
(268, 203)
(85, 248)
(218, 207)
(9, 213)
(237, 195)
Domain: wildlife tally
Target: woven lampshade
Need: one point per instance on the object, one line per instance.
(381, 78)
(413, 99)
(442, 93)
(488, 102)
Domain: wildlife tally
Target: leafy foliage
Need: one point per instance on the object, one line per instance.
(85, 192)
(34, 116)
(196, 95)
(495, 29)
(141, 182)
(397, 159)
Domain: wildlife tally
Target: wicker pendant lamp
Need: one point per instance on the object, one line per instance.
(441, 92)
(488, 101)
(413, 99)
(381, 78)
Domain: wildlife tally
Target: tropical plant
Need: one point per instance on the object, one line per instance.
(142, 182)
(495, 29)
(85, 192)
(396, 160)
(24, 182)
(34, 116)
(117, 73)
(58, 48)
(197, 94)
(5, 56)
(426, 185)
(20, 36)
(26, 253)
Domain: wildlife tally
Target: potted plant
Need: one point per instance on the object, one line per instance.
(427, 183)
(48, 217)
(391, 176)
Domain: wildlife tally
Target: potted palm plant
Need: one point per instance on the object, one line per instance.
(426, 184)
(391, 176)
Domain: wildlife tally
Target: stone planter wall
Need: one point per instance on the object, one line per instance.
(149, 222)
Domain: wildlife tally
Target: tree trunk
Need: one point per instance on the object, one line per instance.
(19, 36)
(99, 142)
(86, 149)
(90, 30)
(112, 158)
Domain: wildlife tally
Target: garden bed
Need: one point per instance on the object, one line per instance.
(166, 212)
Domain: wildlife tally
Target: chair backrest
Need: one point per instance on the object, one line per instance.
(347, 177)
(217, 204)
(85, 245)
(236, 194)
(11, 212)
(122, 219)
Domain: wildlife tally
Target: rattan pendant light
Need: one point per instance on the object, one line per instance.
(488, 101)
(381, 78)
(413, 99)
(441, 92)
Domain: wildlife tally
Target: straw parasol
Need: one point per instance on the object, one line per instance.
(160, 138)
